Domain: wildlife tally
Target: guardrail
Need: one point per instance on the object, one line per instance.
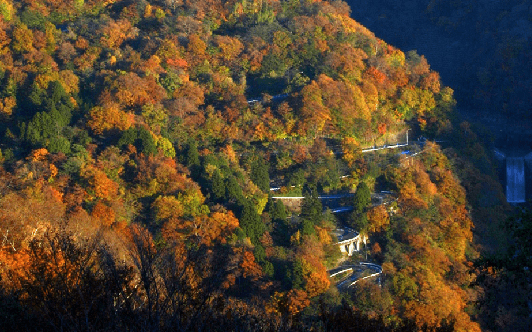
(341, 271)
(349, 234)
(338, 196)
(342, 209)
(377, 148)
(276, 97)
(372, 266)
(366, 277)
(375, 266)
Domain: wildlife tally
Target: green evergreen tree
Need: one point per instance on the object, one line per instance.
(297, 178)
(311, 208)
(59, 144)
(128, 137)
(218, 186)
(281, 226)
(295, 275)
(259, 174)
(362, 198)
(39, 129)
(36, 95)
(250, 222)
(268, 268)
(192, 154)
(277, 211)
(33, 19)
(359, 222)
(57, 95)
(145, 142)
(260, 256)
(233, 190)
(141, 138)
(260, 253)
(45, 127)
(307, 227)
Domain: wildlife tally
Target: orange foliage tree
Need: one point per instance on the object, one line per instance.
(432, 202)
(108, 118)
(378, 219)
(99, 183)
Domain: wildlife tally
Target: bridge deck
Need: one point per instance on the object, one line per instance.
(345, 234)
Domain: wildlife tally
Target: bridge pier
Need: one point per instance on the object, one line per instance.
(361, 240)
(352, 247)
(352, 244)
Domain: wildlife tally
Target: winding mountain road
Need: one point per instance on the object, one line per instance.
(356, 273)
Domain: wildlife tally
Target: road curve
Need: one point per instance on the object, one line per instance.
(355, 273)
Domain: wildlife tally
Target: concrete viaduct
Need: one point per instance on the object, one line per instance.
(350, 240)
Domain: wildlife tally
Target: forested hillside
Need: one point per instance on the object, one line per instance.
(139, 141)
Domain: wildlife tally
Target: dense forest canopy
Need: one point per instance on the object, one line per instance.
(139, 141)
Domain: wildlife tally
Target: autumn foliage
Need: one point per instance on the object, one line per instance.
(139, 141)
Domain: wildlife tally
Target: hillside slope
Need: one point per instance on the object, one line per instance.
(138, 139)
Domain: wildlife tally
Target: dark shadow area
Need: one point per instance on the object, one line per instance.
(481, 49)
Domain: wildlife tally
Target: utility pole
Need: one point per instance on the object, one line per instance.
(407, 136)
